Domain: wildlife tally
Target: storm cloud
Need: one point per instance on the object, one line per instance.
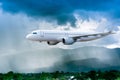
(59, 10)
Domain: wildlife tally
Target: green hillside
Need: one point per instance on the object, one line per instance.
(91, 75)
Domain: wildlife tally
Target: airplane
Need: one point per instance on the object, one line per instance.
(53, 37)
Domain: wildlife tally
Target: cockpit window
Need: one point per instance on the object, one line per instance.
(34, 32)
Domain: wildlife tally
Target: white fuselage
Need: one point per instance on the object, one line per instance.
(56, 36)
(50, 35)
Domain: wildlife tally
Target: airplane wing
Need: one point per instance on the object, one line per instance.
(91, 36)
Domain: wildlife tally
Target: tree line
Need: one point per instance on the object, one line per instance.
(60, 75)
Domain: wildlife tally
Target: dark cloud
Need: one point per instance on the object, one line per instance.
(60, 10)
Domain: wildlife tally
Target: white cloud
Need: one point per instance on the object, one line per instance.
(112, 46)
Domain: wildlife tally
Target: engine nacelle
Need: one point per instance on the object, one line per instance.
(51, 43)
(68, 41)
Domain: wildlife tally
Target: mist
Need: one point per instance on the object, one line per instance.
(20, 55)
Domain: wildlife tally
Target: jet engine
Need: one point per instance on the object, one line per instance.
(68, 41)
(51, 43)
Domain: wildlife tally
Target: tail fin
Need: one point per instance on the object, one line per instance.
(111, 32)
(109, 29)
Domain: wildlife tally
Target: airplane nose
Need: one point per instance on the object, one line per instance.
(31, 37)
(28, 37)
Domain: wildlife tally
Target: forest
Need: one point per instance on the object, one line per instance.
(60, 75)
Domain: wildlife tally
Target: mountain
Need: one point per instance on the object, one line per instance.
(71, 60)
(84, 65)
